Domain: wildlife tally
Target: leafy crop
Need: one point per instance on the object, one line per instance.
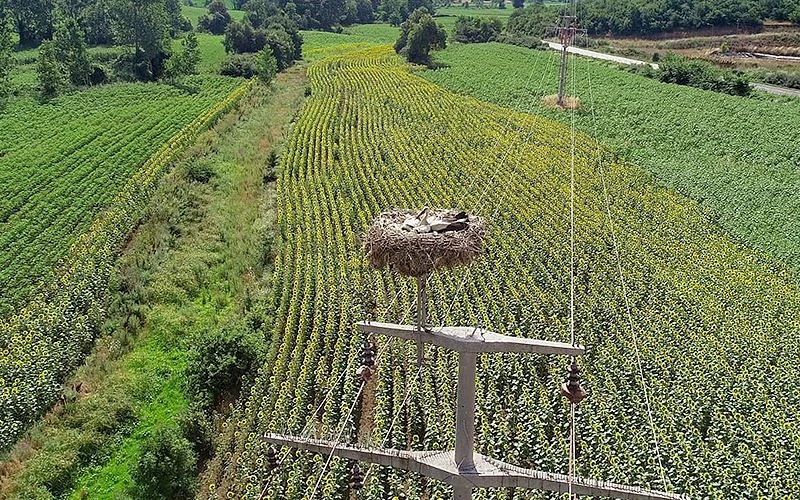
(716, 325)
(61, 164)
(48, 337)
(737, 157)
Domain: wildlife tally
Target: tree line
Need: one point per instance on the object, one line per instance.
(642, 17)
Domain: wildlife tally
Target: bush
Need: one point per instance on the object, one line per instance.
(216, 20)
(266, 65)
(419, 34)
(201, 171)
(783, 78)
(218, 362)
(528, 41)
(684, 71)
(243, 65)
(477, 30)
(196, 427)
(166, 467)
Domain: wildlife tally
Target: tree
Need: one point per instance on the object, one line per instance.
(70, 47)
(393, 12)
(518, 4)
(266, 64)
(364, 12)
(6, 58)
(143, 27)
(476, 30)
(96, 22)
(50, 73)
(185, 62)
(33, 19)
(419, 34)
(216, 20)
(281, 46)
(241, 37)
(166, 467)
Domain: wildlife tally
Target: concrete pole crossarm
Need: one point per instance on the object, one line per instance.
(472, 339)
(392, 458)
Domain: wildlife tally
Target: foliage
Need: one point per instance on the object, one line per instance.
(242, 37)
(196, 427)
(283, 38)
(674, 68)
(395, 12)
(6, 59)
(535, 21)
(70, 49)
(166, 467)
(243, 65)
(782, 78)
(477, 30)
(143, 28)
(419, 34)
(116, 170)
(216, 20)
(185, 62)
(626, 17)
(33, 19)
(50, 72)
(218, 361)
(686, 282)
(518, 4)
(266, 65)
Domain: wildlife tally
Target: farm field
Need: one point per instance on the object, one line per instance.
(72, 193)
(77, 154)
(374, 135)
(737, 157)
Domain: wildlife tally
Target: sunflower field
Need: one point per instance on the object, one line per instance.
(691, 392)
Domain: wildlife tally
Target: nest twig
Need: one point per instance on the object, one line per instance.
(416, 254)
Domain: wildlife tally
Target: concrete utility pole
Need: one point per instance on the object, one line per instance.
(463, 468)
(566, 35)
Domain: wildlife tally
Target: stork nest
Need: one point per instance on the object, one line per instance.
(388, 243)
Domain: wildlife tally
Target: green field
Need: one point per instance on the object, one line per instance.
(319, 44)
(737, 157)
(373, 136)
(194, 13)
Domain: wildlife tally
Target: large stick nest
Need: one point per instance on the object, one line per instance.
(390, 242)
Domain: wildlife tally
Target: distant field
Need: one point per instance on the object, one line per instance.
(61, 163)
(194, 13)
(319, 44)
(737, 156)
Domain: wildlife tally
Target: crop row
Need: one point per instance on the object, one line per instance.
(715, 325)
(47, 338)
(61, 164)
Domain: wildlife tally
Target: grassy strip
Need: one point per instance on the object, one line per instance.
(189, 268)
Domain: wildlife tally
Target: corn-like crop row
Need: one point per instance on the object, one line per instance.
(60, 164)
(48, 337)
(715, 325)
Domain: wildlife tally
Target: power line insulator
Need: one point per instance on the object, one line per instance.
(272, 458)
(571, 388)
(356, 478)
(368, 354)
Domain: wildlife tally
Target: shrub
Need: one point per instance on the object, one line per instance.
(218, 361)
(166, 467)
(243, 65)
(200, 171)
(196, 427)
(266, 65)
(216, 20)
(783, 78)
(420, 34)
(476, 30)
(528, 41)
(684, 71)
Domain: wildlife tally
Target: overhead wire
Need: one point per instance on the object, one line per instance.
(623, 284)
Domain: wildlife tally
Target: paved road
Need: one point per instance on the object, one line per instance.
(772, 89)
